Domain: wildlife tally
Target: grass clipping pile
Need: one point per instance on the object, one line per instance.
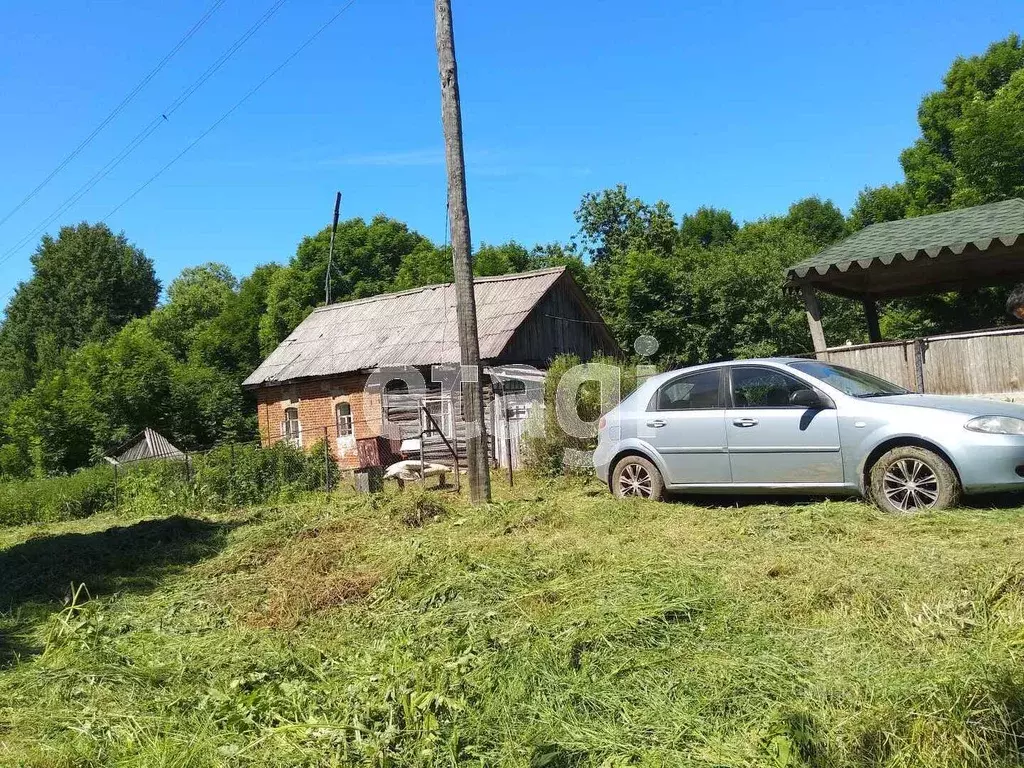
(556, 627)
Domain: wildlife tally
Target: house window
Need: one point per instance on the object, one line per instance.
(440, 410)
(510, 387)
(343, 419)
(512, 393)
(291, 427)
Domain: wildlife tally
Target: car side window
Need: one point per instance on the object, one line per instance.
(754, 387)
(692, 392)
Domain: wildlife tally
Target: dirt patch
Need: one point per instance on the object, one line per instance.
(286, 606)
(414, 510)
(312, 571)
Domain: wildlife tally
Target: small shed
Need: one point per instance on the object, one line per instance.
(148, 444)
(955, 250)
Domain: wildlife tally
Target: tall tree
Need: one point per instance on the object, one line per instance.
(819, 221)
(500, 259)
(970, 146)
(367, 258)
(875, 205)
(611, 222)
(86, 284)
(194, 299)
(707, 227)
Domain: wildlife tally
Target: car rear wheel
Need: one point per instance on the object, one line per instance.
(637, 477)
(910, 479)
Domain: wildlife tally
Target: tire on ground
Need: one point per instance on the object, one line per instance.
(643, 468)
(947, 484)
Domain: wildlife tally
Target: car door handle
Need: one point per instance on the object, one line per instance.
(747, 422)
(656, 423)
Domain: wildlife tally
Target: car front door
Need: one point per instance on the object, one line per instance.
(771, 441)
(685, 422)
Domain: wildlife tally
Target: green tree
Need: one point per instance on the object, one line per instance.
(819, 221)
(875, 205)
(367, 258)
(195, 298)
(707, 227)
(969, 149)
(989, 145)
(611, 222)
(500, 259)
(424, 267)
(230, 342)
(86, 284)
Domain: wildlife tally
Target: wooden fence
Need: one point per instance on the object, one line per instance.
(978, 363)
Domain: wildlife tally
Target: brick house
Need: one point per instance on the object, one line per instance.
(368, 374)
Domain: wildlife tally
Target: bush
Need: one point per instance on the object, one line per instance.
(57, 498)
(246, 474)
(549, 450)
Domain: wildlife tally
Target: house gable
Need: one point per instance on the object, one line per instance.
(562, 322)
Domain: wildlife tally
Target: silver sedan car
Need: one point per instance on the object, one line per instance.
(806, 426)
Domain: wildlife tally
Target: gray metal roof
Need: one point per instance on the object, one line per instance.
(411, 328)
(979, 226)
(148, 444)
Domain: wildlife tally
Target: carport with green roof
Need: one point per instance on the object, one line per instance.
(956, 250)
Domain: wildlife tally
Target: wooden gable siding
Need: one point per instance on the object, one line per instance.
(562, 323)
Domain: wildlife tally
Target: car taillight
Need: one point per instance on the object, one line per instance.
(602, 423)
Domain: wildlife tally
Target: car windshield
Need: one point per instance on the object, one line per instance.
(848, 380)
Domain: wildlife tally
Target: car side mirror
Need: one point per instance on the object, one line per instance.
(807, 398)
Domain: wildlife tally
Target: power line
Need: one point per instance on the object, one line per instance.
(117, 110)
(231, 111)
(144, 134)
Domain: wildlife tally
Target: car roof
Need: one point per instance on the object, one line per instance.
(657, 379)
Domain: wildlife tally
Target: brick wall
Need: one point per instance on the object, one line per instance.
(315, 401)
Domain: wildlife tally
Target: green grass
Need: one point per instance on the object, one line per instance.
(556, 628)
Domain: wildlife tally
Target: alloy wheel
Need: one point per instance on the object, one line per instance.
(910, 484)
(635, 480)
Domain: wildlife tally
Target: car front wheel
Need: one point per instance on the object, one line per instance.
(910, 479)
(637, 477)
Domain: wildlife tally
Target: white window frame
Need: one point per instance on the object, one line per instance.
(289, 435)
(445, 419)
(344, 423)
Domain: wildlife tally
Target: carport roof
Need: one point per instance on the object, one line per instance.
(979, 245)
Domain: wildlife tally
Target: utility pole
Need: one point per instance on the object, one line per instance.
(330, 252)
(469, 343)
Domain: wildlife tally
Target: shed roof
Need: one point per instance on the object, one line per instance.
(968, 232)
(148, 444)
(417, 327)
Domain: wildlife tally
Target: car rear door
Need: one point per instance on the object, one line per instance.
(773, 442)
(685, 422)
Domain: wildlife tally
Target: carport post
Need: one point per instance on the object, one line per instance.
(871, 315)
(813, 317)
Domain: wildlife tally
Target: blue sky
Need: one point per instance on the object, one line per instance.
(739, 104)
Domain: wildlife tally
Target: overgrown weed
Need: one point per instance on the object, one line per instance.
(557, 627)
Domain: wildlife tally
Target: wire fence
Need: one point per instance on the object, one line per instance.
(231, 472)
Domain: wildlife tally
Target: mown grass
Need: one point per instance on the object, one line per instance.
(555, 628)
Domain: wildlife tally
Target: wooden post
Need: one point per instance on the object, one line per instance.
(469, 343)
(327, 463)
(871, 315)
(455, 441)
(919, 364)
(508, 437)
(813, 317)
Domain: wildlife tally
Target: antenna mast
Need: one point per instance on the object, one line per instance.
(330, 253)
